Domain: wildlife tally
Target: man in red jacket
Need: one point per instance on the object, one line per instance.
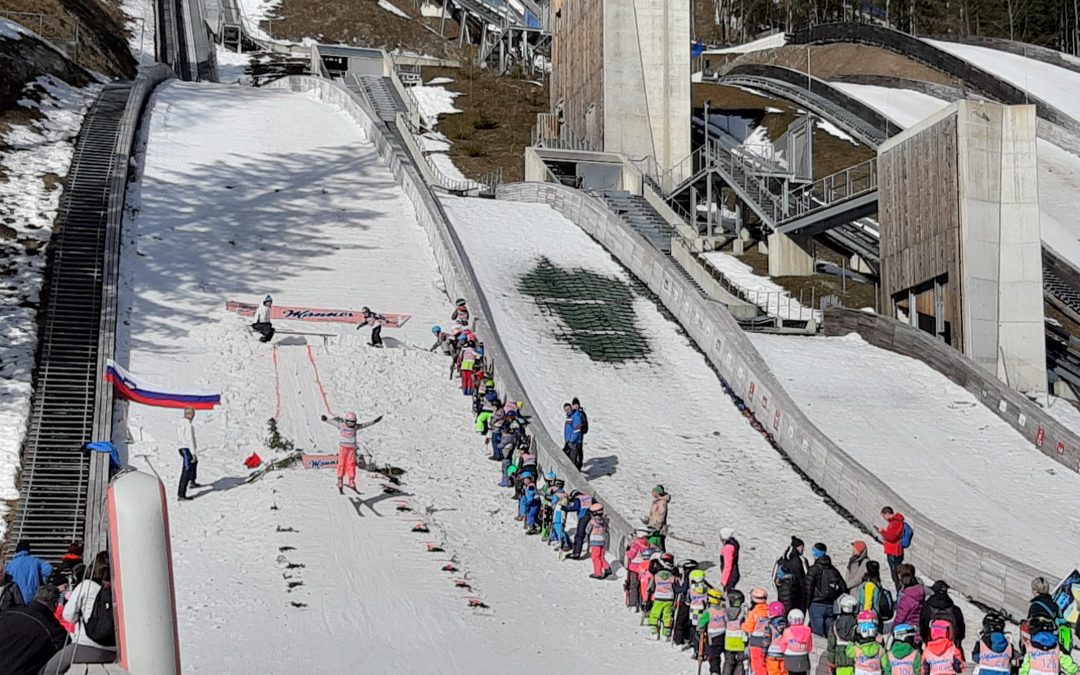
(891, 534)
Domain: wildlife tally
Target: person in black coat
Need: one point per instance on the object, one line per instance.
(940, 606)
(794, 566)
(30, 635)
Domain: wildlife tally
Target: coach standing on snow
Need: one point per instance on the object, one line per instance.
(189, 448)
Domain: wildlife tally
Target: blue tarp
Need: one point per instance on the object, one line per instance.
(105, 446)
(696, 49)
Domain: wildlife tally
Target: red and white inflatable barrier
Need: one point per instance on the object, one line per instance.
(142, 576)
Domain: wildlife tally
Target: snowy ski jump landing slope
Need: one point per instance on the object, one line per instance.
(244, 192)
(935, 445)
(1059, 170)
(664, 419)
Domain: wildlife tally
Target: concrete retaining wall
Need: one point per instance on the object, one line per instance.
(938, 553)
(460, 281)
(1050, 436)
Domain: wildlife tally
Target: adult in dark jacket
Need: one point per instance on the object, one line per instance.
(30, 635)
(794, 567)
(1042, 604)
(824, 584)
(940, 606)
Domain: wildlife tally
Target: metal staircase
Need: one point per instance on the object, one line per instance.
(55, 475)
(380, 93)
(640, 215)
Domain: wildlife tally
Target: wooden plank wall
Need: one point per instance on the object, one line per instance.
(577, 54)
(919, 212)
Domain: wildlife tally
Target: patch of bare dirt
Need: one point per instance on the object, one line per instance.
(495, 123)
(100, 27)
(828, 61)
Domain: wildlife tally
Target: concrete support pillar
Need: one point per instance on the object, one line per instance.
(787, 258)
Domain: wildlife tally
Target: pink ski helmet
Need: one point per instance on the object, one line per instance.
(597, 507)
(776, 609)
(350, 417)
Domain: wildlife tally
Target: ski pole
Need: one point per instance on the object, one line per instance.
(701, 651)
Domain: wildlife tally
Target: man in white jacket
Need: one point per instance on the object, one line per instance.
(262, 324)
(189, 448)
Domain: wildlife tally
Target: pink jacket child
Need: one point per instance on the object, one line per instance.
(798, 642)
(347, 428)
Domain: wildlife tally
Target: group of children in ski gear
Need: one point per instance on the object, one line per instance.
(854, 612)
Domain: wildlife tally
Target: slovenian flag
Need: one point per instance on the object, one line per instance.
(130, 387)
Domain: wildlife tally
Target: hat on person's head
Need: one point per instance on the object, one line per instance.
(859, 547)
(268, 299)
(819, 550)
(22, 546)
(575, 401)
(726, 533)
(940, 586)
(76, 549)
(659, 491)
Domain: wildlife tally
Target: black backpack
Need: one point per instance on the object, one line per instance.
(832, 583)
(584, 421)
(886, 605)
(101, 626)
(10, 596)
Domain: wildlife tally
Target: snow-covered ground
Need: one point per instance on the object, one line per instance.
(935, 444)
(141, 28)
(434, 100)
(1053, 84)
(833, 130)
(767, 42)
(392, 8)
(771, 297)
(38, 153)
(663, 420)
(1059, 170)
(249, 191)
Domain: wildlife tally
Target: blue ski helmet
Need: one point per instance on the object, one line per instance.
(436, 329)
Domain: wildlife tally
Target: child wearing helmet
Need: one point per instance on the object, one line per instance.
(681, 631)
(712, 626)
(635, 558)
(754, 626)
(902, 657)
(645, 570)
(993, 652)
(696, 600)
(597, 531)
(1044, 655)
(347, 428)
(798, 642)
(662, 592)
(841, 634)
(940, 656)
(736, 639)
(774, 642)
(460, 315)
(866, 652)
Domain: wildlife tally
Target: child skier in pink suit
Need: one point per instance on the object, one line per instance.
(347, 428)
(597, 530)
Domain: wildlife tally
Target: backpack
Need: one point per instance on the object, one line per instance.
(10, 596)
(886, 607)
(101, 626)
(832, 583)
(584, 421)
(906, 535)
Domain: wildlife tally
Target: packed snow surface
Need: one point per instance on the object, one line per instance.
(770, 296)
(247, 192)
(37, 151)
(833, 130)
(935, 444)
(663, 420)
(767, 42)
(1053, 84)
(1059, 170)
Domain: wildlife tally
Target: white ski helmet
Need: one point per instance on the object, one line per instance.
(350, 417)
(795, 617)
(847, 604)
